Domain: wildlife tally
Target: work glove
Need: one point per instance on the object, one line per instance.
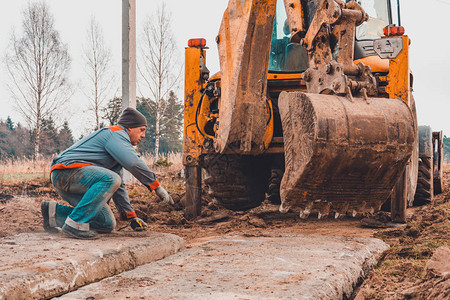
(137, 224)
(164, 196)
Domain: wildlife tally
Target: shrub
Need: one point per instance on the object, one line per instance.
(162, 162)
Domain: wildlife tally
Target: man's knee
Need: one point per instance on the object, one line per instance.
(114, 180)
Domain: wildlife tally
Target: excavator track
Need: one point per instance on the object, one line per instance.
(276, 175)
(273, 194)
(237, 182)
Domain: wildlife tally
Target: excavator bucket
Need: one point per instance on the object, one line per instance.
(342, 155)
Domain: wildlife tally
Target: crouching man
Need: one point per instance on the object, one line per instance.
(90, 172)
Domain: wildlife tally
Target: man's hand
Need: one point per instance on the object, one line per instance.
(137, 224)
(164, 195)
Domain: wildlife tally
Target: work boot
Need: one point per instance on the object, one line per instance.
(46, 217)
(79, 234)
(103, 230)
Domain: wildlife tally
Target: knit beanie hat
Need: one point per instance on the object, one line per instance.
(131, 118)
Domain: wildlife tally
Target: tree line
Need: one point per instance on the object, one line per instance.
(38, 63)
(446, 149)
(16, 141)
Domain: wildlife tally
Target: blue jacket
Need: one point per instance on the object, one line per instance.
(109, 148)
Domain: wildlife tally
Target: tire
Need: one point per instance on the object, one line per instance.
(412, 174)
(438, 160)
(424, 191)
(237, 182)
(413, 167)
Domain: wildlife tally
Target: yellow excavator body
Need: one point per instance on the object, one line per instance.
(296, 114)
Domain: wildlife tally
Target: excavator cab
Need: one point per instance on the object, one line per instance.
(380, 16)
(289, 57)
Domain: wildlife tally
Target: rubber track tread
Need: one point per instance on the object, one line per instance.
(274, 186)
(424, 191)
(236, 182)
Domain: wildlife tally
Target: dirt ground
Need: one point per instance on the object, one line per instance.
(401, 269)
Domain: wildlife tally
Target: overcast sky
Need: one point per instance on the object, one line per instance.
(426, 23)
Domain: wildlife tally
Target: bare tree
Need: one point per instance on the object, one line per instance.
(38, 63)
(113, 110)
(158, 66)
(97, 58)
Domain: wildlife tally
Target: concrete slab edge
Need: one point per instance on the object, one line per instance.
(336, 281)
(370, 260)
(54, 280)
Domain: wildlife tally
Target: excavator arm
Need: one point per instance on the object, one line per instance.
(244, 45)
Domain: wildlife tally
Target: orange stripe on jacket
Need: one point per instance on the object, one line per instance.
(131, 215)
(115, 128)
(154, 185)
(72, 166)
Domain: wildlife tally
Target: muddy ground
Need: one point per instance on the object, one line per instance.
(400, 274)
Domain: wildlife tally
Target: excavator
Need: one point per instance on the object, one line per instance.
(312, 109)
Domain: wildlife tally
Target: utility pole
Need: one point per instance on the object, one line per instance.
(128, 61)
(128, 54)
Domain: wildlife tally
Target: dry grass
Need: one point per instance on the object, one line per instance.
(25, 168)
(176, 160)
(446, 167)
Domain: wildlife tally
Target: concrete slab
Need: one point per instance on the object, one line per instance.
(41, 265)
(236, 267)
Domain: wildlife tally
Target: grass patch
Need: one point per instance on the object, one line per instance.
(172, 162)
(22, 176)
(411, 248)
(163, 162)
(24, 169)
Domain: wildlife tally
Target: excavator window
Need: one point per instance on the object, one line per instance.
(285, 57)
(381, 13)
(379, 17)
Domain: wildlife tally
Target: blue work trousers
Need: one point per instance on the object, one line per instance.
(88, 190)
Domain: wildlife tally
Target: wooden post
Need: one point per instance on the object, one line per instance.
(193, 202)
(128, 54)
(399, 199)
